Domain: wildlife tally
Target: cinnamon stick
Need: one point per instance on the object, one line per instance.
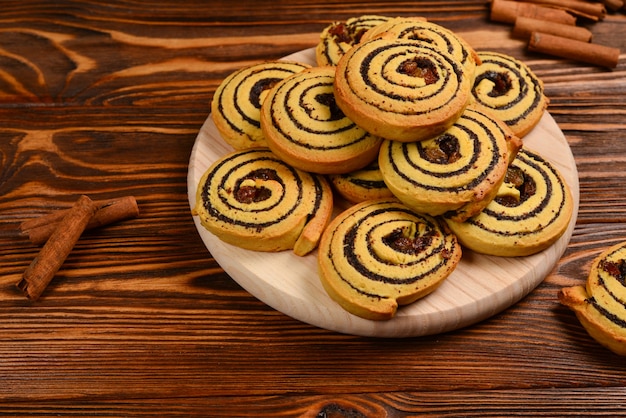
(508, 11)
(525, 26)
(52, 255)
(590, 10)
(110, 211)
(613, 5)
(572, 49)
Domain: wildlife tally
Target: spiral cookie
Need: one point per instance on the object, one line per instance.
(455, 174)
(530, 212)
(304, 127)
(338, 37)
(401, 90)
(507, 87)
(236, 105)
(252, 199)
(600, 306)
(358, 186)
(418, 29)
(378, 254)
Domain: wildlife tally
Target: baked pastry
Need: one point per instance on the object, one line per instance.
(531, 211)
(508, 87)
(236, 105)
(338, 37)
(600, 306)
(304, 127)
(455, 174)
(400, 89)
(419, 29)
(360, 185)
(253, 200)
(378, 255)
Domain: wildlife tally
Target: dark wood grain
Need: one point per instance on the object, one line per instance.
(106, 99)
(603, 402)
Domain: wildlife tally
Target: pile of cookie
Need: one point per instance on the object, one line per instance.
(402, 146)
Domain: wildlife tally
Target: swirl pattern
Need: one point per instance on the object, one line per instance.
(401, 90)
(379, 254)
(601, 304)
(455, 174)
(418, 29)
(365, 184)
(507, 87)
(530, 212)
(303, 126)
(252, 199)
(338, 37)
(236, 105)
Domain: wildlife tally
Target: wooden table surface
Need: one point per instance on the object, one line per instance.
(106, 99)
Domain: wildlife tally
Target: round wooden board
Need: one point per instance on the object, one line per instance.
(480, 287)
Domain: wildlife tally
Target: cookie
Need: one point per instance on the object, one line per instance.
(253, 200)
(304, 127)
(401, 90)
(600, 306)
(339, 37)
(361, 185)
(419, 29)
(455, 174)
(508, 88)
(531, 210)
(236, 105)
(378, 255)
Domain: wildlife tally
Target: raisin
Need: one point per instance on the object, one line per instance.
(525, 184)
(616, 269)
(250, 194)
(446, 151)
(420, 67)
(399, 242)
(341, 33)
(450, 146)
(501, 83)
(515, 176)
(435, 155)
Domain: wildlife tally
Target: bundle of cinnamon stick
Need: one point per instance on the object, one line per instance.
(550, 26)
(59, 231)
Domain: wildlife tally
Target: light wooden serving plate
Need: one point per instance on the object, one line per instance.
(480, 287)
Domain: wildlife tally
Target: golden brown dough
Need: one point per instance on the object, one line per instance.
(455, 174)
(419, 29)
(508, 88)
(236, 105)
(304, 127)
(400, 89)
(600, 306)
(253, 200)
(339, 37)
(379, 254)
(532, 209)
